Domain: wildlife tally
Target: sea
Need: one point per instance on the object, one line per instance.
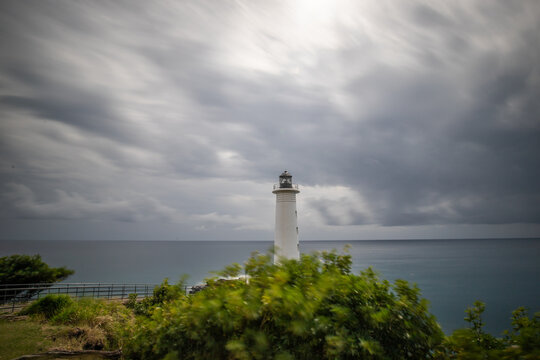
(451, 274)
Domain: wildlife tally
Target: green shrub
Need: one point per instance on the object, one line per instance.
(522, 342)
(311, 308)
(48, 306)
(132, 301)
(524, 338)
(163, 293)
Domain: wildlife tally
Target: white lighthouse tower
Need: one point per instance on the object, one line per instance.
(286, 233)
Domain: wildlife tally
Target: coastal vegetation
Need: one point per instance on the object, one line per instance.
(28, 269)
(312, 308)
(56, 322)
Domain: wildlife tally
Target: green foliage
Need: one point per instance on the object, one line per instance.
(522, 342)
(48, 306)
(230, 271)
(166, 292)
(132, 301)
(163, 293)
(83, 311)
(311, 308)
(103, 323)
(26, 269)
(474, 317)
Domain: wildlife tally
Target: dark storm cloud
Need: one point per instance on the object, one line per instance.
(440, 160)
(390, 114)
(68, 103)
(424, 155)
(90, 114)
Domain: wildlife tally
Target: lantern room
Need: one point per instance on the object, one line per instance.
(285, 180)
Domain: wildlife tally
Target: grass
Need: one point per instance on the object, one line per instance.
(23, 337)
(86, 324)
(27, 336)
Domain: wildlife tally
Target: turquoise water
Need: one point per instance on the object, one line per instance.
(452, 274)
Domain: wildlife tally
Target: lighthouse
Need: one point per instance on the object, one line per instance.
(286, 232)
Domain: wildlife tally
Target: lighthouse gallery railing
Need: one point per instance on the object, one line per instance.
(294, 186)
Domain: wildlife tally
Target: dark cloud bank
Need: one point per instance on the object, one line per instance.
(176, 118)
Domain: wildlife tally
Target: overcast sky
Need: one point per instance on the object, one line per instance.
(171, 120)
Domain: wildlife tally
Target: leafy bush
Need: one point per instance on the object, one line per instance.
(26, 269)
(162, 294)
(522, 342)
(132, 301)
(311, 308)
(48, 306)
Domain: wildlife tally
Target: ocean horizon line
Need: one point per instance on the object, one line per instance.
(263, 241)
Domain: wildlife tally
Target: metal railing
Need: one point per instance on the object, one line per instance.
(293, 186)
(16, 296)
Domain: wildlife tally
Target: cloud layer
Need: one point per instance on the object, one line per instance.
(416, 119)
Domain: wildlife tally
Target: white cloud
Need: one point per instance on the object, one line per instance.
(334, 205)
